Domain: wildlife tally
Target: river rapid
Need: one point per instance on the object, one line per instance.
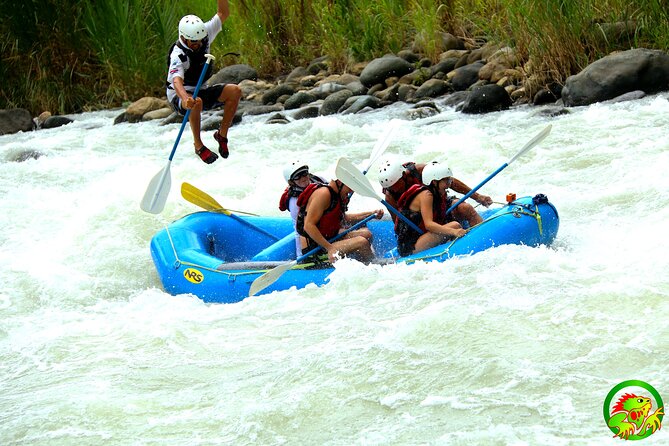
(514, 345)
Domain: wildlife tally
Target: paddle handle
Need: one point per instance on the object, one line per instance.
(336, 237)
(197, 90)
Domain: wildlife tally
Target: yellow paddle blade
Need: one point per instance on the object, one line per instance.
(202, 199)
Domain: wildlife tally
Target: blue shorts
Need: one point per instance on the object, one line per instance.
(209, 96)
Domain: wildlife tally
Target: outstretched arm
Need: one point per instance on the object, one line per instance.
(462, 188)
(223, 10)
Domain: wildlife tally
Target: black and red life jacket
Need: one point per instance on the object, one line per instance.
(197, 61)
(332, 217)
(439, 205)
(294, 191)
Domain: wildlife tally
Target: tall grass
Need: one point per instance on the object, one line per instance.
(69, 56)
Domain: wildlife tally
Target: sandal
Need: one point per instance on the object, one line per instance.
(206, 155)
(222, 144)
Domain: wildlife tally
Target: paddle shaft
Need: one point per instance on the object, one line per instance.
(473, 191)
(186, 116)
(533, 142)
(402, 217)
(336, 237)
(273, 275)
(251, 225)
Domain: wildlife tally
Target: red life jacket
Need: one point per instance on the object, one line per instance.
(295, 191)
(330, 221)
(439, 204)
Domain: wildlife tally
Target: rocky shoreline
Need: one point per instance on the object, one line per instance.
(472, 79)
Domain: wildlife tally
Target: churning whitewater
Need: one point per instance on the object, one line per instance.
(513, 345)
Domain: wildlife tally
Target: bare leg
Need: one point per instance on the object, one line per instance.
(432, 239)
(230, 95)
(359, 247)
(194, 121)
(466, 211)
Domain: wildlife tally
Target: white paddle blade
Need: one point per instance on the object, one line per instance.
(348, 174)
(156, 194)
(382, 144)
(269, 278)
(533, 142)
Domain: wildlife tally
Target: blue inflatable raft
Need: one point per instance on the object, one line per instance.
(216, 257)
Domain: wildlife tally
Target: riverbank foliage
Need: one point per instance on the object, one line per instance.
(71, 56)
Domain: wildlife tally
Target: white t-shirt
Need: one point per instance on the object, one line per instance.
(178, 68)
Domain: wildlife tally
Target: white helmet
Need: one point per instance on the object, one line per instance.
(294, 168)
(191, 27)
(390, 172)
(435, 171)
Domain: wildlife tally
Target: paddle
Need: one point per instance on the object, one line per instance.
(380, 147)
(204, 200)
(272, 275)
(159, 187)
(533, 142)
(347, 173)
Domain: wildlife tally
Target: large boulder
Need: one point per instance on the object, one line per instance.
(378, 70)
(487, 98)
(233, 74)
(464, 77)
(334, 102)
(140, 107)
(431, 89)
(15, 120)
(616, 74)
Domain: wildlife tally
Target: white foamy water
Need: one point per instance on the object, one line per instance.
(514, 345)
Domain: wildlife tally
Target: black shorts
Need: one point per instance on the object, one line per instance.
(209, 96)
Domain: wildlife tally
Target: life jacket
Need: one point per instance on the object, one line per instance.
(197, 61)
(330, 221)
(439, 205)
(295, 191)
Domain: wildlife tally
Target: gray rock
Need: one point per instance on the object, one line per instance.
(466, 76)
(298, 99)
(278, 118)
(272, 95)
(631, 96)
(445, 66)
(456, 99)
(157, 114)
(616, 74)
(55, 121)
(378, 70)
(306, 112)
(233, 74)
(551, 112)
(334, 102)
(485, 99)
(355, 104)
(15, 120)
(431, 89)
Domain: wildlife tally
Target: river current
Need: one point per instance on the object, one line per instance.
(514, 345)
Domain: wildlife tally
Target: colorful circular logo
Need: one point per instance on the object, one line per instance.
(633, 410)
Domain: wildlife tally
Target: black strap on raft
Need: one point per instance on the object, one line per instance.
(539, 199)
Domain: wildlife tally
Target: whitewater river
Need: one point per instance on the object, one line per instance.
(515, 345)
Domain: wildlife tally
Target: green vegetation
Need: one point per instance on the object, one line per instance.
(72, 56)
